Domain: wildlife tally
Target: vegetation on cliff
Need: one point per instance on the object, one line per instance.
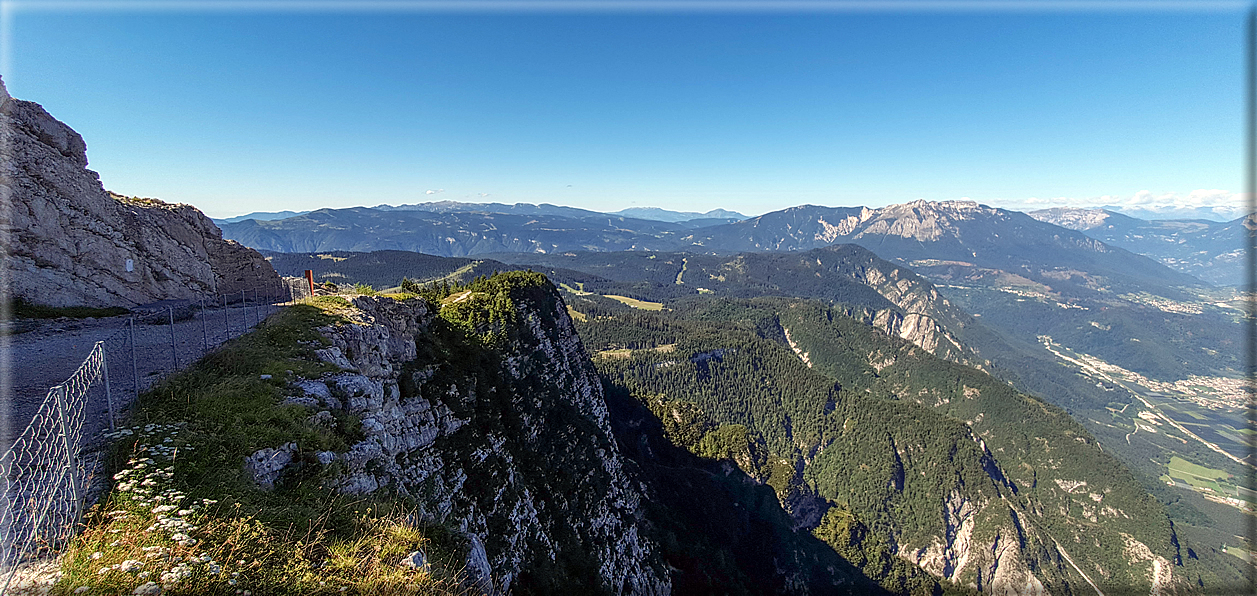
(180, 511)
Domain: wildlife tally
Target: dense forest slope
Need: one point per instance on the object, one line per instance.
(890, 297)
(69, 242)
(886, 451)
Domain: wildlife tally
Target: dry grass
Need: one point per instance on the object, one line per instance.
(635, 303)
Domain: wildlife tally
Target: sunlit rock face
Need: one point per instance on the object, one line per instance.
(69, 242)
(510, 445)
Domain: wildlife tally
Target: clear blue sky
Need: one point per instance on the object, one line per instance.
(748, 111)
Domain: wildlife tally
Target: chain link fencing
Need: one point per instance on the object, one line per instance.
(50, 469)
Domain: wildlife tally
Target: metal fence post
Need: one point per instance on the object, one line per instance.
(226, 321)
(204, 328)
(135, 370)
(69, 452)
(104, 364)
(174, 353)
(256, 306)
(244, 314)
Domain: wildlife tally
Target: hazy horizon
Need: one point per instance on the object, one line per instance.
(1135, 211)
(747, 109)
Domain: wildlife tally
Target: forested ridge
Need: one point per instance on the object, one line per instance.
(873, 445)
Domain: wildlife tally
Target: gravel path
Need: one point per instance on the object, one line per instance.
(48, 354)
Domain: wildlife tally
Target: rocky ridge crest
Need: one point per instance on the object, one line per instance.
(520, 459)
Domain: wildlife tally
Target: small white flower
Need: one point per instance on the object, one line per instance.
(81, 590)
(147, 589)
(130, 564)
(97, 555)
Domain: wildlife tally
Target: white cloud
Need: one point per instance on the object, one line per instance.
(1215, 198)
(1047, 202)
(1222, 203)
(435, 192)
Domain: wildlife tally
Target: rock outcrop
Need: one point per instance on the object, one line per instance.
(69, 242)
(511, 445)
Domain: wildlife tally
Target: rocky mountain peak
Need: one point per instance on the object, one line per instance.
(922, 220)
(1074, 218)
(69, 242)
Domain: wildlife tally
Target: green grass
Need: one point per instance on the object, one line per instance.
(1239, 553)
(1178, 464)
(1199, 476)
(635, 303)
(187, 440)
(25, 310)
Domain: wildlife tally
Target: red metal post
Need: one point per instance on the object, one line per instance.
(310, 280)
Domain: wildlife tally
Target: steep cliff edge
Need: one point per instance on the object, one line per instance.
(436, 444)
(488, 413)
(69, 242)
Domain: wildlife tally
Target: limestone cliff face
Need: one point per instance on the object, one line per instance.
(68, 241)
(509, 444)
(923, 317)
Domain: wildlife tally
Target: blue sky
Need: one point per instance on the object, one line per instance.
(751, 111)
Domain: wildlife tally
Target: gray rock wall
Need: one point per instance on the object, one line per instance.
(519, 458)
(67, 240)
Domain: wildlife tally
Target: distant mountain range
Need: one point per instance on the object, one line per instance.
(957, 234)
(1210, 250)
(694, 219)
(260, 216)
(963, 237)
(1219, 213)
(658, 214)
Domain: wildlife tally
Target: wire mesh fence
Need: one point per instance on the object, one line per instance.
(44, 476)
(49, 467)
